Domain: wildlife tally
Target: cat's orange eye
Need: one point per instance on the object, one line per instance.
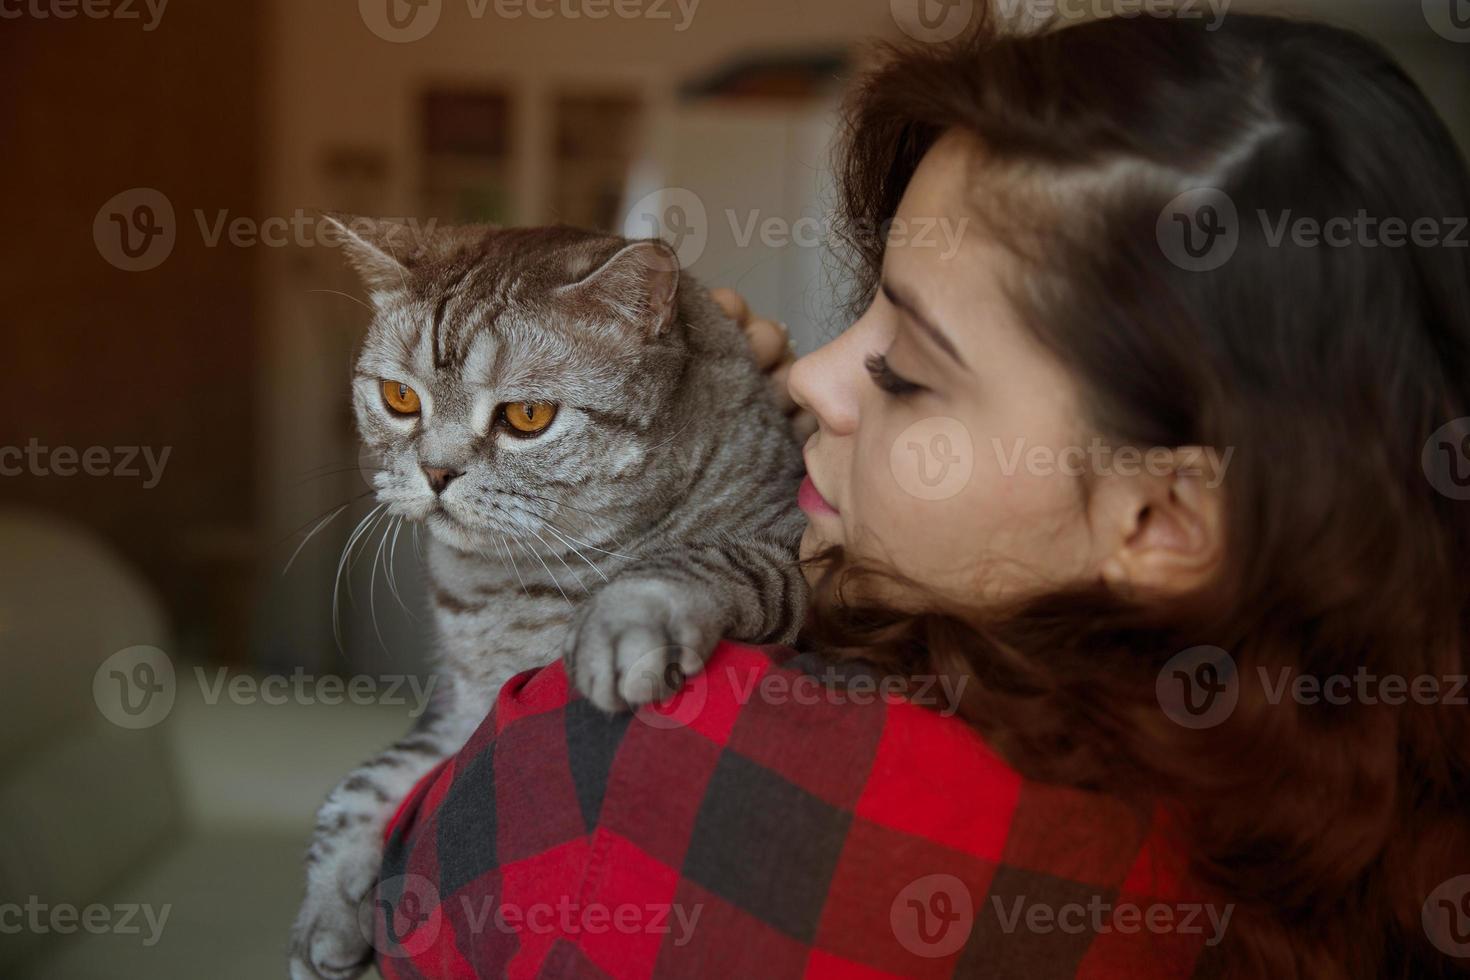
(529, 418)
(401, 398)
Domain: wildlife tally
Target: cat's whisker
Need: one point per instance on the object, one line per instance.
(338, 292)
(362, 547)
(552, 575)
(672, 437)
(350, 501)
(392, 569)
(323, 523)
(550, 500)
(563, 562)
(373, 582)
(549, 522)
(337, 582)
(513, 565)
(552, 530)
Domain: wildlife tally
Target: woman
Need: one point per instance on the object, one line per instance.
(1152, 497)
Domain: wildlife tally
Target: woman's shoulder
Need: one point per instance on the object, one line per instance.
(885, 752)
(808, 813)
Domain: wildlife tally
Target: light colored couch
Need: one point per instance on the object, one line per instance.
(205, 814)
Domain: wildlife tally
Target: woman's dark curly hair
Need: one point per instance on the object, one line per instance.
(1327, 369)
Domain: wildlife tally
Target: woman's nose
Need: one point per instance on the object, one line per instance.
(825, 382)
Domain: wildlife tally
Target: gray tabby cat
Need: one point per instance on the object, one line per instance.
(604, 476)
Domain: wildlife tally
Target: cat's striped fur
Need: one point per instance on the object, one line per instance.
(655, 515)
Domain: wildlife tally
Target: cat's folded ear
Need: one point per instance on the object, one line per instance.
(381, 251)
(639, 284)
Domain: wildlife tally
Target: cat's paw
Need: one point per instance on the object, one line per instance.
(636, 640)
(330, 938)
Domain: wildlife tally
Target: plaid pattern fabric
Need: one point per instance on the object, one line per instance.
(761, 824)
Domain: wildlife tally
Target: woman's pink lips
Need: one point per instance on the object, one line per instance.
(810, 501)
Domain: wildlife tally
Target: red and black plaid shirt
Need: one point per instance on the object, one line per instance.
(760, 825)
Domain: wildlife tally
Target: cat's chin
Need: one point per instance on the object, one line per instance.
(458, 535)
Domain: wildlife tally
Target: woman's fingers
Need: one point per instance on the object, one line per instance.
(769, 343)
(767, 338)
(732, 303)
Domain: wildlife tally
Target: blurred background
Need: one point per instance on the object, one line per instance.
(179, 480)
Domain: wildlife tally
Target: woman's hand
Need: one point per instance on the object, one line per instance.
(772, 348)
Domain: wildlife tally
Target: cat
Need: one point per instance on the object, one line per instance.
(604, 476)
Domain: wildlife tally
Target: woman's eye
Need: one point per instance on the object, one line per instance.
(885, 378)
(528, 418)
(400, 398)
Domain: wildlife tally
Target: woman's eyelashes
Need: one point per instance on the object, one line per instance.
(887, 379)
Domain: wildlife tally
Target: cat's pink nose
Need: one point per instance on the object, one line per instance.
(441, 476)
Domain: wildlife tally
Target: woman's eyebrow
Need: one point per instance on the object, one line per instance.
(909, 307)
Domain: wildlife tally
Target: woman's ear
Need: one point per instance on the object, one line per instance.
(1162, 529)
